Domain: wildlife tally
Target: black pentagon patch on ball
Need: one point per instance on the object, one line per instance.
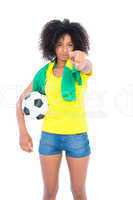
(27, 96)
(38, 103)
(41, 116)
(26, 111)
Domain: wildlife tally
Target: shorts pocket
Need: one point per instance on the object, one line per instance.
(78, 141)
(49, 140)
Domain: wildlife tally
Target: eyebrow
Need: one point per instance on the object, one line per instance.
(62, 42)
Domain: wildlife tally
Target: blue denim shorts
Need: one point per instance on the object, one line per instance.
(74, 145)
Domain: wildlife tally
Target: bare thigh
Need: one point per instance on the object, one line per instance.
(50, 165)
(78, 172)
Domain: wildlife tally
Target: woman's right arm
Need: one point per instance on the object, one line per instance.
(25, 140)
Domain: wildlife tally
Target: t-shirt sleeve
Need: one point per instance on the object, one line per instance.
(38, 81)
(85, 77)
(87, 74)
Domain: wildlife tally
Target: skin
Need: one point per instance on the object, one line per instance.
(50, 164)
(63, 47)
(64, 50)
(25, 140)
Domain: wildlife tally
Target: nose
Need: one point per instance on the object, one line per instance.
(66, 50)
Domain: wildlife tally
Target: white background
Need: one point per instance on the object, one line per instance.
(109, 96)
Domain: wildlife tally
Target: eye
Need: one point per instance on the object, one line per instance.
(59, 44)
(70, 45)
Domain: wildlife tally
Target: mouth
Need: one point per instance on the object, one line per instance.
(64, 56)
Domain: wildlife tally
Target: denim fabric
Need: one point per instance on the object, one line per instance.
(74, 145)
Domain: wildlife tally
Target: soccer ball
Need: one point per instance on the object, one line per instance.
(35, 105)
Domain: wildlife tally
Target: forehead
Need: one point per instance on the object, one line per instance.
(65, 38)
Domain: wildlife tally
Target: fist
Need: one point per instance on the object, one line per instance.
(25, 142)
(78, 59)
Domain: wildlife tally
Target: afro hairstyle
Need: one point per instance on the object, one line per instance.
(55, 29)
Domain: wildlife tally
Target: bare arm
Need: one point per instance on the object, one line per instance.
(25, 139)
(19, 113)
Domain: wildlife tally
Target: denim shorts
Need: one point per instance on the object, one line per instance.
(74, 145)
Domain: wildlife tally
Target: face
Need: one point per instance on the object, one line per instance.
(63, 46)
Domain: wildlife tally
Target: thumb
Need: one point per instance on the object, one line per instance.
(30, 145)
(71, 54)
(72, 57)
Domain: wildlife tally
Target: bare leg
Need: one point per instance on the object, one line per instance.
(50, 165)
(78, 172)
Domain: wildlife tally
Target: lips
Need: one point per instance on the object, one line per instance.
(65, 56)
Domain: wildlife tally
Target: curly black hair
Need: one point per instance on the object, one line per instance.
(55, 29)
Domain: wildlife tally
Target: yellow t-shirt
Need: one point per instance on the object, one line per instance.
(64, 117)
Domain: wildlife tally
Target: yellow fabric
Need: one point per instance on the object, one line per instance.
(64, 117)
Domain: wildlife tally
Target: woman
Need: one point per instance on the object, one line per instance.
(64, 127)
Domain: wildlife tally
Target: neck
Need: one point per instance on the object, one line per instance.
(60, 63)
